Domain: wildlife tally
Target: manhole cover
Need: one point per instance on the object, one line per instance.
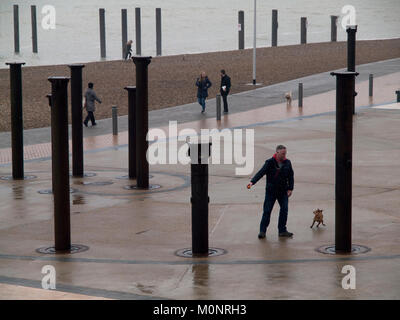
(86, 175)
(127, 177)
(29, 177)
(212, 252)
(49, 191)
(355, 249)
(135, 187)
(75, 248)
(97, 183)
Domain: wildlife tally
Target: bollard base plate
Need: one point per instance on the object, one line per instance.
(85, 175)
(355, 249)
(212, 252)
(49, 191)
(127, 177)
(75, 248)
(28, 177)
(135, 187)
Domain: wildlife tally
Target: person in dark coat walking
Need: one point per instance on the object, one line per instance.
(225, 88)
(90, 98)
(128, 50)
(280, 182)
(202, 83)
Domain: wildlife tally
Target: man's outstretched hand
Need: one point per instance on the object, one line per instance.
(289, 193)
(249, 185)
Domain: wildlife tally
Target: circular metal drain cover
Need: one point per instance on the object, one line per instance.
(29, 177)
(212, 252)
(135, 187)
(127, 177)
(355, 249)
(98, 183)
(85, 175)
(49, 191)
(75, 248)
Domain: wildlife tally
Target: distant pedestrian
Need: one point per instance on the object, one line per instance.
(280, 181)
(225, 88)
(202, 83)
(90, 98)
(128, 49)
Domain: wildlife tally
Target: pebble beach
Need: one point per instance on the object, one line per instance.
(172, 78)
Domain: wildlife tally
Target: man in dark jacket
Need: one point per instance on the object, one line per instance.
(279, 187)
(225, 87)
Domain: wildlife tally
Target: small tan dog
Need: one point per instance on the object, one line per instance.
(318, 217)
(288, 96)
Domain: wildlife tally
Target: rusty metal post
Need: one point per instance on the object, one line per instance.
(102, 32)
(274, 37)
(345, 82)
(17, 126)
(303, 32)
(76, 119)
(241, 29)
(124, 31)
(34, 29)
(199, 154)
(142, 120)
(131, 131)
(334, 28)
(158, 31)
(60, 162)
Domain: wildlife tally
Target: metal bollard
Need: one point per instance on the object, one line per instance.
(274, 38)
(17, 127)
(131, 131)
(138, 32)
(345, 82)
(199, 154)
(371, 85)
(60, 162)
(218, 101)
(114, 113)
(398, 95)
(102, 33)
(142, 120)
(34, 29)
(303, 32)
(241, 29)
(76, 119)
(124, 30)
(16, 29)
(351, 53)
(300, 95)
(334, 28)
(158, 31)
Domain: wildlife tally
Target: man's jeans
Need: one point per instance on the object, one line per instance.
(225, 99)
(202, 102)
(271, 196)
(90, 116)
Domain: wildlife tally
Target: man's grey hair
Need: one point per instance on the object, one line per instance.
(280, 147)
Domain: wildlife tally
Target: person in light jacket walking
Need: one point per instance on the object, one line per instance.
(90, 98)
(202, 83)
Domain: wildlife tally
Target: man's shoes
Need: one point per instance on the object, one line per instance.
(202, 111)
(286, 234)
(225, 112)
(261, 235)
(85, 124)
(94, 124)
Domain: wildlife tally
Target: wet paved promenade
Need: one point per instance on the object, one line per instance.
(133, 235)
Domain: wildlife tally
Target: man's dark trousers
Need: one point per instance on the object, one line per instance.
(90, 116)
(271, 195)
(225, 99)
